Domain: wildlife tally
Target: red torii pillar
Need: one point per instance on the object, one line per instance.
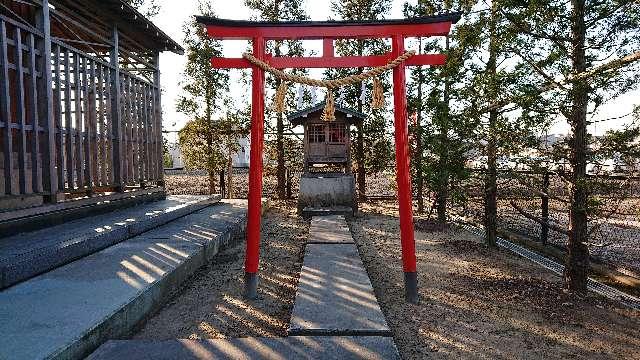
(328, 31)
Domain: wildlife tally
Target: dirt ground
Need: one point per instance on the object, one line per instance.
(210, 305)
(476, 303)
(483, 304)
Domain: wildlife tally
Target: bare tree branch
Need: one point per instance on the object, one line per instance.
(582, 76)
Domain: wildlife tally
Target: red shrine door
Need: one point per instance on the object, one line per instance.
(397, 31)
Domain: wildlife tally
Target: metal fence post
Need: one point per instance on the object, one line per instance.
(544, 232)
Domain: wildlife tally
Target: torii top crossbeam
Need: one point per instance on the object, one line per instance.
(328, 31)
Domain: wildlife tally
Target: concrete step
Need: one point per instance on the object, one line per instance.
(68, 312)
(335, 296)
(321, 347)
(28, 254)
(39, 217)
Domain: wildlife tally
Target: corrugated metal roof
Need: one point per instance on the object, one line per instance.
(130, 20)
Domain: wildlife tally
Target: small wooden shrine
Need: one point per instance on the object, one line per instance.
(327, 142)
(327, 184)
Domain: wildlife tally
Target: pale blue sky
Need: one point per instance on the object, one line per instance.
(174, 14)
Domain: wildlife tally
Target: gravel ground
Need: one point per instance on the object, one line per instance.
(483, 304)
(210, 305)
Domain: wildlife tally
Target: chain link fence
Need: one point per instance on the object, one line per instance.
(536, 206)
(531, 205)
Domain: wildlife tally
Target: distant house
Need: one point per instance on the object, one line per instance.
(176, 156)
(240, 158)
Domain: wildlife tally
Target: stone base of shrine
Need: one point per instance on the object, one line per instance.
(327, 190)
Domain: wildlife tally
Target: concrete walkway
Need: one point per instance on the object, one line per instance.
(335, 296)
(31, 253)
(67, 312)
(336, 314)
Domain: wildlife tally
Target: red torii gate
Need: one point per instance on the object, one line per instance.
(328, 31)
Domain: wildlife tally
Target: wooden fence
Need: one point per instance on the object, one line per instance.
(72, 122)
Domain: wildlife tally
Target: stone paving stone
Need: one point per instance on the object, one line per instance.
(310, 211)
(69, 311)
(322, 347)
(335, 296)
(329, 230)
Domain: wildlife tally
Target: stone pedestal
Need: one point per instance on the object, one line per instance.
(327, 191)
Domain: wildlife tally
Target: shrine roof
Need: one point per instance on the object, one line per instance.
(299, 117)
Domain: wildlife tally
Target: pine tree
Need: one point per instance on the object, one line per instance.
(372, 134)
(148, 8)
(204, 90)
(497, 71)
(567, 40)
(278, 10)
(444, 135)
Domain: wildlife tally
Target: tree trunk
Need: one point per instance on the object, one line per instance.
(491, 186)
(212, 182)
(418, 155)
(281, 175)
(230, 173)
(577, 263)
(491, 180)
(281, 170)
(209, 115)
(362, 181)
(442, 195)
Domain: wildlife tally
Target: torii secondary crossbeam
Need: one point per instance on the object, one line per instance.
(328, 31)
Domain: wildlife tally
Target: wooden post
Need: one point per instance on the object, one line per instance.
(158, 149)
(544, 232)
(57, 114)
(20, 114)
(5, 110)
(116, 113)
(36, 184)
(49, 175)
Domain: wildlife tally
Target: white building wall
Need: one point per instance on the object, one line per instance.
(240, 158)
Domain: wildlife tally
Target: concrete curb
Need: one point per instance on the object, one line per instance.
(319, 347)
(121, 322)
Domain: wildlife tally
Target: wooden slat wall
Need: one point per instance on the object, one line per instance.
(88, 127)
(82, 115)
(20, 122)
(5, 110)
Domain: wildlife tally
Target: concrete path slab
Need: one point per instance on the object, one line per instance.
(331, 229)
(322, 347)
(68, 312)
(28, 254)
(310, 211)
(335, 296)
